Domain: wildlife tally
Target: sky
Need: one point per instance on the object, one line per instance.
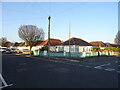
(90, 21)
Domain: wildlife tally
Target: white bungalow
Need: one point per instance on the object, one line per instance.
(75, 45)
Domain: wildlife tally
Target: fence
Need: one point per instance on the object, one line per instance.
(72, 54)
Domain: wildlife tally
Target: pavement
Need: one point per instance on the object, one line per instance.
(39, 72)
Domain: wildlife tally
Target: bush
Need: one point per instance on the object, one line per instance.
(115, 49)
(96, 49)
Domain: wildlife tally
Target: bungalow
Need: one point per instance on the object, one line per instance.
(23, 45)
(76, 45)
(53, 44)
(102, 45)
(99, 44)
(114, 45)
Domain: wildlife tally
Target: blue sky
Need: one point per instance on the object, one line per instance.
(90, 21)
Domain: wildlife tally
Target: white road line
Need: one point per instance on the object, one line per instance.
(4, 82)
(100, 67)
(105, 64)
(80, 65)
(88, 66)
(109, 69)
(118, 71)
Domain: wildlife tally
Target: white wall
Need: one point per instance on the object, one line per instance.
(24, 47)
(75, 48)
(59, 48)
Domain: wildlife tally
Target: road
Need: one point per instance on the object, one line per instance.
(39, 72)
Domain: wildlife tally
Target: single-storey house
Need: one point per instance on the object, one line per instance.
(53, 44)
(99, 44)
(23, 45)
(102, 45)
(75, 45)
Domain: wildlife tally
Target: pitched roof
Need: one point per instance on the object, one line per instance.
(113, 45)
(53, 42)
(23, 43)
(98, 43)
(76, 41)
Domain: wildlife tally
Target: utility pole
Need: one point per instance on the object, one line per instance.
(69, 40)
(49, 37)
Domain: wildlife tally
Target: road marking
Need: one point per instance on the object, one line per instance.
(88, 66)
(118, 71)
(4, 82)
(100, 67)
(80, 65)
(105, 64)
(109, 69)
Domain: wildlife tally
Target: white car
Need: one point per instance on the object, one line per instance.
(3, 49)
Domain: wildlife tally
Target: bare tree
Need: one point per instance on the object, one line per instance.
(30, 34)
(117, 38)
(3, 41)
(8, 44)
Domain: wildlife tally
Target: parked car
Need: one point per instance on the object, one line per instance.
(17, 51)
(13, 50)
(8, 51)
(26, 51)
(3, 49)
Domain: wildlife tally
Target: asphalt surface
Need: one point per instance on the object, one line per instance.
(39, 72)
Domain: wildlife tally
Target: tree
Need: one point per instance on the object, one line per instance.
(3, 41)
(96, 49)
(30, 34)
(117, 38)
(8, 44)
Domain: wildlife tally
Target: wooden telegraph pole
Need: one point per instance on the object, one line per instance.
(49, 37)
(69, 40)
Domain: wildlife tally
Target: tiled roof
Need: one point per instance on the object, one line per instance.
(53, 42)
(23, 43)
(114, 45)
(76, 41)
(98, 43)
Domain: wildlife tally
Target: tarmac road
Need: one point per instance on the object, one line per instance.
(39, 72)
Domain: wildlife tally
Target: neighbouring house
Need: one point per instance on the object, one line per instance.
(102, 45)
(75, 45)
(99, 44)
(23, 45)
(20, 46)
(53, 44)
(113, 45)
